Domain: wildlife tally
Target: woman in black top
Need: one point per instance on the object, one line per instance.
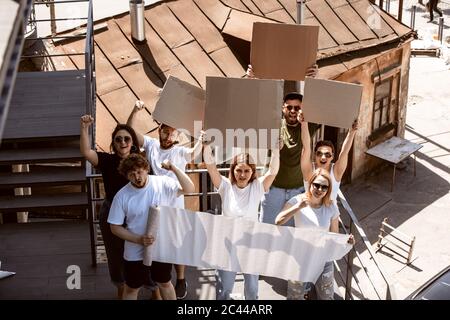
(123, 142)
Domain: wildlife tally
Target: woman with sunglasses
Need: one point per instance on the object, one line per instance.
(314, 208)
(323, 156)
(241, 194)
(123, 143)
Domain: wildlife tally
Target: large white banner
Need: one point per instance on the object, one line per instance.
(234, 244)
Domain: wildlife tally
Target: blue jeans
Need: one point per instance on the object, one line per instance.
(225, 283)
(274, 201)
(324, 285)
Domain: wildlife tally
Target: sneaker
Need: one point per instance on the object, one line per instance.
(181, 288)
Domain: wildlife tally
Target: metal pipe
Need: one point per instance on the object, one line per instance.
(441, 29)
(413, 16)
(137, 20)
(300, 20)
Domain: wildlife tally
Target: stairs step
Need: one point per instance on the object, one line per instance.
(36, 155)
(46, 104)
(26, 203)
(44, 175)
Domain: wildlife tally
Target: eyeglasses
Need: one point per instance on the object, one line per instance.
(326, 154)
(120, 139)
(296, 108)
(321, 187)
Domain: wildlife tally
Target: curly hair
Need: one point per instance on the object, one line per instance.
(133, 162)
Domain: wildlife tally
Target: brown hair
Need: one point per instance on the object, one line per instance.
(326, 200)
(133, 162)
(242, 158)
(134, 147)
(324, 143)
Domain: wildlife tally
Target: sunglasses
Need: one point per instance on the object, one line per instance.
(321, 187)
(120, 139)
(296, 108)
(326, 154)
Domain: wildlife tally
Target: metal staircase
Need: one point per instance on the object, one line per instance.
(41, 169)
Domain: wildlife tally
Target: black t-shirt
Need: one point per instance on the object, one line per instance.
(112, 179)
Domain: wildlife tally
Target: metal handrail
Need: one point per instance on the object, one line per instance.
(358, 228)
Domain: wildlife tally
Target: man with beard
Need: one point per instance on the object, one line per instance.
(159, 150)
(131, 204)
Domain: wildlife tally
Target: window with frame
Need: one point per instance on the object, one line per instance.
(381, 105)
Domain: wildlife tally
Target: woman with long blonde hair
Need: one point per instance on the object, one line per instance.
(315, 208)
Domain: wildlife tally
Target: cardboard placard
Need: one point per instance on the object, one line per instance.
(180, 105)
(245, 113)
(283, 51)
(332, 103)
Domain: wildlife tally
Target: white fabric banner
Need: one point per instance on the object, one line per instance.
(213, 241)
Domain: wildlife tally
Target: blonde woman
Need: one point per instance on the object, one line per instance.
(314, 209)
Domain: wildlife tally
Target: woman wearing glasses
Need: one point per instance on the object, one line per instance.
(323, 155)
(124, 142)
(314, 208)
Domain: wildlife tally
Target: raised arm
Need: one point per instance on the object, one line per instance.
(197, 149)
(274, 165)
(85, 145)
(138, 106)
(214, 174)
(305, 160)
(289, 210)
(187, 186)
(341, 163)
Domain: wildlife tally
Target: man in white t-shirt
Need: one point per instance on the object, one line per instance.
(131, 204)
(157, 152)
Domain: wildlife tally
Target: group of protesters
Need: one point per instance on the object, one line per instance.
(140, 172)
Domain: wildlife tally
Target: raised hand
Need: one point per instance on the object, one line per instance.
(86, 121)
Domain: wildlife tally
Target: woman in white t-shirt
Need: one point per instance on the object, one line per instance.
(315, 208)
(241, 194)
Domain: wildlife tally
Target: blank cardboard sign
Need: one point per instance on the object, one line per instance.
(180, 105)
(332, 103)
(283, 51)
(248, 108)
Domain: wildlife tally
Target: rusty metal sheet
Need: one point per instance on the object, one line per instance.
(399, 28)
(214, 10)
(236, 4)
(167, 26)
(240, 25)
(63, 62)
(267, 6)
(197, 62)
(291, 8)
(181, 73)
(394, 149)
(116, 47)
(228, 63)
(104, 126)
(356, 58)
(198, 25)
(120, 103)
(252, 7)
(330, 68)
(157, 54)
(281, 15)
(351, 18)
(143, 82)
(328, 18)
(369, 14)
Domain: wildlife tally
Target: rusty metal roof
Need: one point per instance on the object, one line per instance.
(186, 39)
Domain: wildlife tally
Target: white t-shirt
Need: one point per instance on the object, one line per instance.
(314, 217)
(237, 202)
(179, 156)
(335, 185)
(132, 204)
